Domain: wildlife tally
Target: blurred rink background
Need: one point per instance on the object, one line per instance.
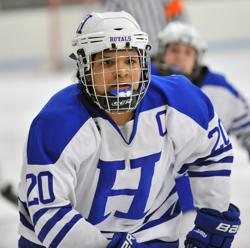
(34, 46)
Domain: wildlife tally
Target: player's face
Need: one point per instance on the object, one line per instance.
(180, 55)
(116, 70)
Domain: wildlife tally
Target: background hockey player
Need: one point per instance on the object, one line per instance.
(181, 51)
(103, 154)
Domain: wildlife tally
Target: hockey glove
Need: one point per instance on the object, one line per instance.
(213, 228)
(122, 240)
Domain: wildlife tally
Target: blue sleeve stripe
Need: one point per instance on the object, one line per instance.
(240, 127)
(243, 135)
(221, 173)
(52, 222)
(220, 151)
(64, 231)
(25, 222)
(42, 211)
(217, 152)
(171, 213)
(184, 168)
(170, 194)
(161, 244)
(23, 207)
(228, 159)
(24, 204)
(39, 214)
(107, 232)
(241, 118)
(123, 192)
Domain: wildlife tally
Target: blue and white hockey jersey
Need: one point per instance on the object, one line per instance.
(231, 107)
(84, 179)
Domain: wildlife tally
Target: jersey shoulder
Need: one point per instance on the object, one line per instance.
(55, 125)
(179, 93)
(218, 80)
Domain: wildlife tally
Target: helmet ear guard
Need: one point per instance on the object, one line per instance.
(111, 31)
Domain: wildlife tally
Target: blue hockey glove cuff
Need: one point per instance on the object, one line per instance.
(122, 240)
(214, 228)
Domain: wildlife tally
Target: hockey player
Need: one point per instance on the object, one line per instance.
(102, 155)
(181, 51)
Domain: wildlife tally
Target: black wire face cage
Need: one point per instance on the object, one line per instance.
(116, 80)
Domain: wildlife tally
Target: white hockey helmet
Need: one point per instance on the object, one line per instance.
(177, 32)
(112, 31)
